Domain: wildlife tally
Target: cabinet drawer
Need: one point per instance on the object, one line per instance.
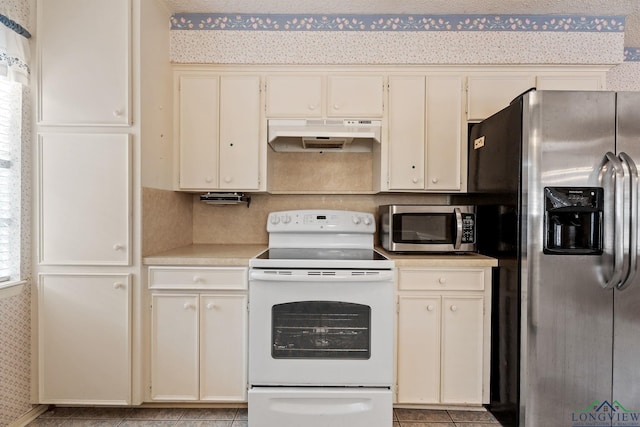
(197, 278)
(440, 279)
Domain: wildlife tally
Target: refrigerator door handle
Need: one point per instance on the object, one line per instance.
(458, 216)
(633, 220)
(617, 270)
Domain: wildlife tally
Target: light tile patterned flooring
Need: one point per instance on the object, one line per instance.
(231, 417)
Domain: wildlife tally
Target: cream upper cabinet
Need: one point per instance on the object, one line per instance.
(84, 199)
(295, 96)
(239, 133)
(488, 94)
(84, 339)
(83, 60)
(446, 147)
(570, 82)
(324, 96)
(425, 133)
(219, 132)
(198, 131)
(443, 336)
(406, 131)
(355, 96)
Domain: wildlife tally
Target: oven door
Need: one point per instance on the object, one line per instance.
(320, 328)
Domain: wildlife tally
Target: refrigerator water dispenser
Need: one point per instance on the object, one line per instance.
(573, 220)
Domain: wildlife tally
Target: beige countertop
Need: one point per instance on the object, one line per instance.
(206, 254)
(441, 260)
(239, 255)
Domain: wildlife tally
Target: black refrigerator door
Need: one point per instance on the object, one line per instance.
(494, 173)
(495, 152)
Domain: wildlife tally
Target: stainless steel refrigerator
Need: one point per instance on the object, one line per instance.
(557, 190)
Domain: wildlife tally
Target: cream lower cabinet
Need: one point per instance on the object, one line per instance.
(84, 339)
(198, 341)
(443, 336)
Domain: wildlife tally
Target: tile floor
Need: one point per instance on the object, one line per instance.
(231, 417)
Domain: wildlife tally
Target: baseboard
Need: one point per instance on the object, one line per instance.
(34, 413)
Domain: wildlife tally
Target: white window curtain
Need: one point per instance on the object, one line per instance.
(14, 73)
(10, 164)
(14, 51)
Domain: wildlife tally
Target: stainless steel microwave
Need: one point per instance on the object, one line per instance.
(428, 228)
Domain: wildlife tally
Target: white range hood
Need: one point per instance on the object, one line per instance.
(344, 135)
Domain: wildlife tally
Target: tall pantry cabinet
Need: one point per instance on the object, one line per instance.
(89, 67)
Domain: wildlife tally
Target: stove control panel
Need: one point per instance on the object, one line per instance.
(329, 221)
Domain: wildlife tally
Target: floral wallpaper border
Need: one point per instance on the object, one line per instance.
(397, 22)
(632, 54)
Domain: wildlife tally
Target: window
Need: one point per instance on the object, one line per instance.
(10, 165)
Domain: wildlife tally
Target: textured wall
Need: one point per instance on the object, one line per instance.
(396, 39)
(15, 311)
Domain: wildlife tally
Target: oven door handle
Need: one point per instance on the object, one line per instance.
(284, 275)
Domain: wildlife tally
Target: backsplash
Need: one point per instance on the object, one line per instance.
(239, 224)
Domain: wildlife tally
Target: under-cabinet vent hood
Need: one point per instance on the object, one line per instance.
(324, 135)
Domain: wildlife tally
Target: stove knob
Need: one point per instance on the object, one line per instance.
(367, 220)
(286, 219)
(274, 220)
(356, 220)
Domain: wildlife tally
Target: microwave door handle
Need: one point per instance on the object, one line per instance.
(458, 215)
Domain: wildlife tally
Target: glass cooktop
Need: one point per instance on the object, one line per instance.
(321, 254)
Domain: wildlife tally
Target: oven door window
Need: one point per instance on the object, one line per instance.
(424, 228)
(321, 330)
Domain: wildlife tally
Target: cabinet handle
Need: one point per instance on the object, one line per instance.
(118, 285)
(430, 307)
(336, 106)
(227, 179)
(312, 107)
(454, 308)
(442, 280)
(188, 306)
(197, 279)
(118, 113)
(211, 306)
(208, 179)
(434, 180)
(118, 247)
(414, 180)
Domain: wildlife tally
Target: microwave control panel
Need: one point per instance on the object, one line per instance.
(468, 228)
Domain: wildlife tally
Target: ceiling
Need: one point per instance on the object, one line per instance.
(628, 8)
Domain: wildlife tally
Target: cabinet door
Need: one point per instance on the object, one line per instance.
(570, 82)
(174, 347)
(294, 96)
(406, 132)
(444, 133)
(85, 182)
(84, 62)
(198, 132)
(84, 340)
(223, 347)
(239, 132)
(489, 94)
(418, 370)
(462, 349)
(355, 96)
